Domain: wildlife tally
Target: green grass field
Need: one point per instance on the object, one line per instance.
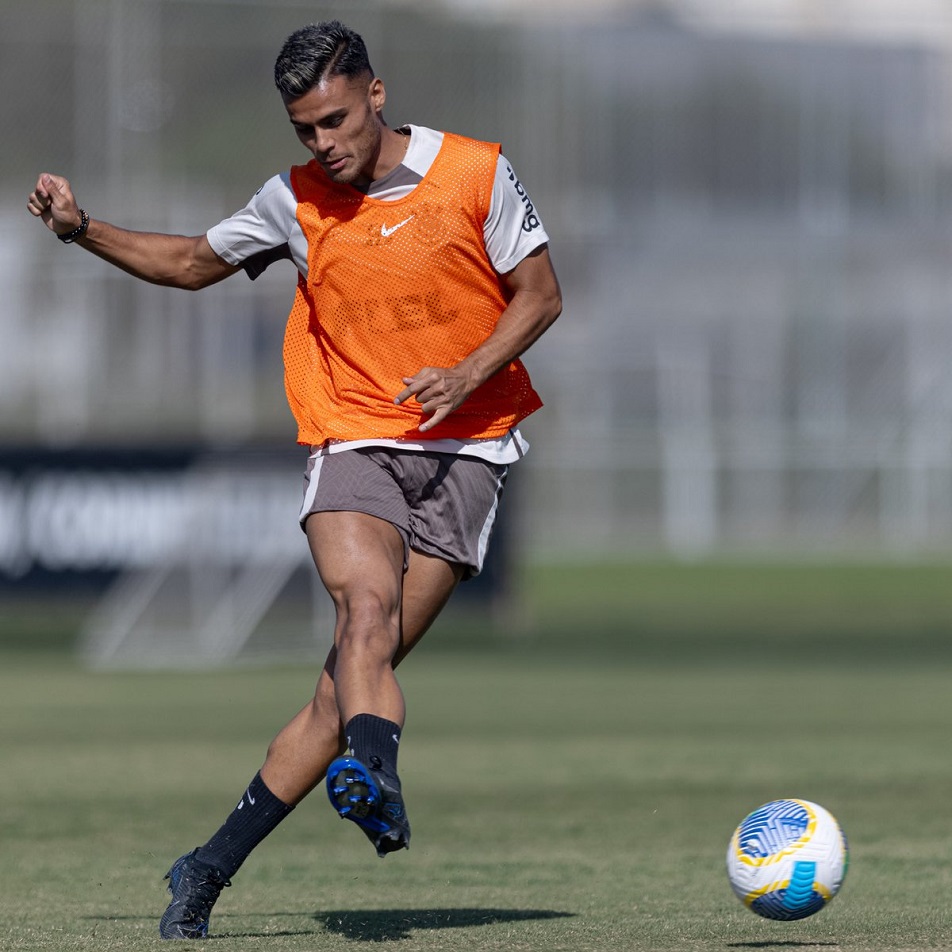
(576, 799)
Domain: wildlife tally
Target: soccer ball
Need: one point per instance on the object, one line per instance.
(787, 859)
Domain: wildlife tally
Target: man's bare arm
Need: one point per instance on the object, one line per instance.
(171, 260)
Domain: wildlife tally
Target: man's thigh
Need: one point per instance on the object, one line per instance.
(360, 560)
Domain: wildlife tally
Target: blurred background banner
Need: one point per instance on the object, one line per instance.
(750, 206)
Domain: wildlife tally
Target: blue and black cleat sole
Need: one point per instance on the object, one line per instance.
(357, 795)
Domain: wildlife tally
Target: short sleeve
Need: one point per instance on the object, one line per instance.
(267, 222)
(514, 227)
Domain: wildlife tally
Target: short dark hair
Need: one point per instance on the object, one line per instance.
(314, 52)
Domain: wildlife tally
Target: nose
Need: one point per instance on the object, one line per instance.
(322, 143)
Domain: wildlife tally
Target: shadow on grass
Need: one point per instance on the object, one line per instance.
(782, 945)
(388, 925)
(381, 925)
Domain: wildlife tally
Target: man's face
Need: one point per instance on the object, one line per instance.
(339, 123)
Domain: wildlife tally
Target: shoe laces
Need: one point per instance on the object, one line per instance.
(201, 885)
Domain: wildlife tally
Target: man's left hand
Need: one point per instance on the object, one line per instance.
(439, 391)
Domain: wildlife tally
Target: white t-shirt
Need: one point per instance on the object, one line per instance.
(267, 229)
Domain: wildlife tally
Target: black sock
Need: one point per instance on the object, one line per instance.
(258, 812)
(374, 741)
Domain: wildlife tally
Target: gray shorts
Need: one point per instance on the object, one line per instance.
(442, 504)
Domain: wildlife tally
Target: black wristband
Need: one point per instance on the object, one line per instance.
(77, 232)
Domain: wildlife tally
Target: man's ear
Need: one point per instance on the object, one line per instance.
(377, 93)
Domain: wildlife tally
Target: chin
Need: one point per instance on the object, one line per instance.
(343, 177)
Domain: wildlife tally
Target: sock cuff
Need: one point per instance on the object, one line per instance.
(368, 730)
(375, 741)
(259, 795)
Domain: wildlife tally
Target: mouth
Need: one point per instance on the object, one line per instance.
(334, 165)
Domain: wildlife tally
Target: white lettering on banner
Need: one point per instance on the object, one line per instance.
(86, 521)
(106, 521)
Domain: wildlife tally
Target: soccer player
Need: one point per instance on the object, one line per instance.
(423, 274)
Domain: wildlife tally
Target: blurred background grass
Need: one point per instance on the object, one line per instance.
(646, 609)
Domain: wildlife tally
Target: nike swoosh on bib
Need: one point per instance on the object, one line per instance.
(386, 232)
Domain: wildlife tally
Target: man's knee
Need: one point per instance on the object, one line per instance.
(368, 645)
(367, 619)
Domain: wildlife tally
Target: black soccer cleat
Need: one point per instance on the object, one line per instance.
(195, 887)
(363, 795)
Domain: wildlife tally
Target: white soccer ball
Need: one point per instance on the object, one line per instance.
(787, 859)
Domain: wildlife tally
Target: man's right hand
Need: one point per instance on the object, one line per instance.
(174, 261)
(52, 201)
